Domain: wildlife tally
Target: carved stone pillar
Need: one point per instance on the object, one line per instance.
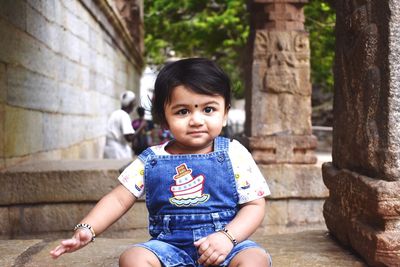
(279, 105)
(363, 208)
(278, 115)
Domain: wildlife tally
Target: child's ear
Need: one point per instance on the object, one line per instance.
(225, 121)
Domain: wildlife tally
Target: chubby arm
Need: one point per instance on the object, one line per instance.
(108, 210)
(215, 247)
(247, 220)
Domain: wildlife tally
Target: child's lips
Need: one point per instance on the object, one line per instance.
(197, 132)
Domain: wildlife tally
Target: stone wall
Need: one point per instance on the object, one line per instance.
(63, 65)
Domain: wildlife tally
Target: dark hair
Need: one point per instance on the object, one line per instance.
(140, 111)
(200, 75)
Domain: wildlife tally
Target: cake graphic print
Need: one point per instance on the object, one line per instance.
(187, 190)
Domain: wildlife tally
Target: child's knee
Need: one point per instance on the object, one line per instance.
(138, 257)
(252, 257)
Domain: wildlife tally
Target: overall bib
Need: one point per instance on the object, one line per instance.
(189, 197)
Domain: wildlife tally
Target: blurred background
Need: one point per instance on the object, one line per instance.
(64, 64)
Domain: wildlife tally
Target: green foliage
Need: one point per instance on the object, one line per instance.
(320, 22)
(218, 29)
(215, 29)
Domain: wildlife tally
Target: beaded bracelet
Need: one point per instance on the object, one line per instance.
(231, 238)
(86, 226)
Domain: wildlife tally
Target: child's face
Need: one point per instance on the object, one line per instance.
(194, 120)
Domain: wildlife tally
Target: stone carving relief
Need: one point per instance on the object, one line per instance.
(363, 210)
(131, 11)
(284, 54)
(359, 87)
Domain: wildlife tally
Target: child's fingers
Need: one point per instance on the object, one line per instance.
(203, 246)
(200, 241)
(69, 242)
(66, 246)
(57, 252)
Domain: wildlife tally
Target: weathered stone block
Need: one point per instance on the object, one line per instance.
(14, 12)
(294, 181)
(28, 89)
(71, 152)
(285, 148)
(92, 149)
(63, 217)
(70, 46)
(37, 25)
(54, 38)
(5, 226)
(59, 181)
(54, 133)
(85, 54)
(276, 213)
(293, 213)
(278, 115)
(22, 134)
(10, 253)
(77, 123)
(364, 213)
(3, 83)
(366, 102)
(95, 41)
(71, 99)
(23, 49)
(52, 11)
(74, 24)
(305, 212)
(95, 127)
(2, 131)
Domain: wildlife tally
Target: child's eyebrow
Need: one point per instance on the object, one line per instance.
(185, 105)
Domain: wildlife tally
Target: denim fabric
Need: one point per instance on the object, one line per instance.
(189, 197)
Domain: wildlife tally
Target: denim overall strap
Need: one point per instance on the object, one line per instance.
(221, 144)
(145, 154)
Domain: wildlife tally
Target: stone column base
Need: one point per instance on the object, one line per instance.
(364, 213)
(297, 197)
(276, 149)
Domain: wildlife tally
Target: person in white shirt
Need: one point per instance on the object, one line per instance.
(120, 133)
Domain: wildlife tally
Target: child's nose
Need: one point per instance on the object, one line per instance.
(197, 118)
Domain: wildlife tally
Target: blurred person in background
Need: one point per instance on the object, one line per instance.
(120, 133)
(140, 125)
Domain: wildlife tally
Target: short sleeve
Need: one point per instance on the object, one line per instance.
(133, 178)
(250, 182)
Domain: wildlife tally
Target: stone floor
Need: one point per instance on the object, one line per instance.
(306, 249)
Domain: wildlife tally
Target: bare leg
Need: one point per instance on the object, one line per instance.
(251, 257)
(138, 257)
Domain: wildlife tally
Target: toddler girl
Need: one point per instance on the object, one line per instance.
(204, 193)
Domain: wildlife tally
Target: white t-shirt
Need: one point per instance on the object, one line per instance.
(250, 183)
(118, 125)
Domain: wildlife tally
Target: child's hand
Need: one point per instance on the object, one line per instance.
(213, 249)
(80, 239)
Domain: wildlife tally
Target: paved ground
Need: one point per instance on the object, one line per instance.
(306, 249)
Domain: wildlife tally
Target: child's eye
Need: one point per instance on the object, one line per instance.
(209, 109)
(182, 112)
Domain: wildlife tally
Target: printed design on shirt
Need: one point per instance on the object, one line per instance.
(139, 186)
(242, 183)
(187, 190)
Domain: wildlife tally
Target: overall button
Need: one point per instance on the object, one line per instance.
(153, 162)
(220, 158)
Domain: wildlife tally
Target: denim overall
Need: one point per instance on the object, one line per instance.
(189, 197)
